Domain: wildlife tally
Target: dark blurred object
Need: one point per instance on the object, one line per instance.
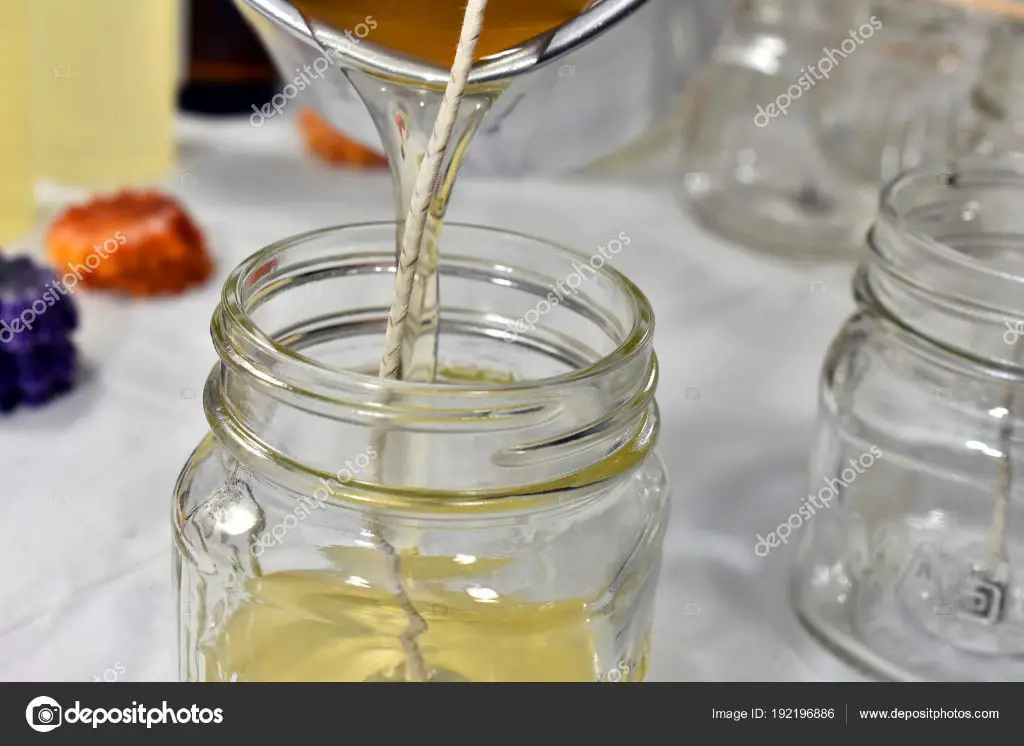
(37, 317)
(229, 70)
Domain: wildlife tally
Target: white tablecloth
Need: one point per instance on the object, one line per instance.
(85, 484)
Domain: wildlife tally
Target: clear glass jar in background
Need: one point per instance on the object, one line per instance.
(900, 100)
(686, 36)
(912, 561)
(751, 171)
(997, 122)
(104, 79)
(521, 494)
(17, 175)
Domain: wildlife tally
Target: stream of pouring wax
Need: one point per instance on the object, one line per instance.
(404, 114)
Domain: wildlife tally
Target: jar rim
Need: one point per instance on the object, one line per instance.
(1004, 168)
(538, 434)
(635, 343)
(944, 256)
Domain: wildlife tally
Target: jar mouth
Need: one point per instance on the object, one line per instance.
(956, 216)
(245, 283)
(546, 371)
(946, 255)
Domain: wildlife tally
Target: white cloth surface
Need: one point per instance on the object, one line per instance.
(85, 484)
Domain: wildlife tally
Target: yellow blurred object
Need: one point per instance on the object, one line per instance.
(104, 77)
(17, 206)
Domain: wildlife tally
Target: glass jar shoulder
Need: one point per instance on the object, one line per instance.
(882, 386)
(222, 510)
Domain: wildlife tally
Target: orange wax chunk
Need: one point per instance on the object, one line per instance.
(333, 147)
(140, 243)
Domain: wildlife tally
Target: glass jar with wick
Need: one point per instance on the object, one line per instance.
(503, 523)
(911, 563)
(751, 171)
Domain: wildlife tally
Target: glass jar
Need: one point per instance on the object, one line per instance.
(503, 524)
(900, 100)
(911, 562)
(998, 97)
(751, 171)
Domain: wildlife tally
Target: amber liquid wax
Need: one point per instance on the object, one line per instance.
(429, 29)
(320, 627)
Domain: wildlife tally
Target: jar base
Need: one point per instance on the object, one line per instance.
(802, 225)
(398, 675)
(938, 617)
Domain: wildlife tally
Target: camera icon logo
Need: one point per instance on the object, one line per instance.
(44, 714)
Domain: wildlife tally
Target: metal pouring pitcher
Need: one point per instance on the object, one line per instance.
(619, 69)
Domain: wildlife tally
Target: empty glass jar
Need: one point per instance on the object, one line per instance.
(751, 170)
(899, 100)
(914, 567)
(503, 524)
(997, 124)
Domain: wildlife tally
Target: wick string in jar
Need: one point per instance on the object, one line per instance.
(997, 539)
(426, 181)
(390, 365)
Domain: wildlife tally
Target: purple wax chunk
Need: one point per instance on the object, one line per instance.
(9, 400)
(35, 394)
(37, 358)
(8, 371)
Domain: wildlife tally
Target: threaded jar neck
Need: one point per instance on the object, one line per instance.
(946, 257)
(549, 357)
